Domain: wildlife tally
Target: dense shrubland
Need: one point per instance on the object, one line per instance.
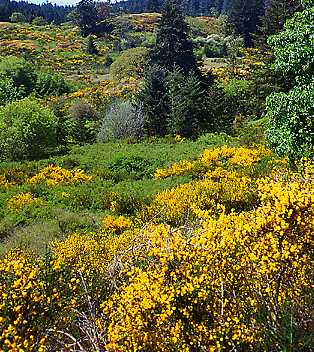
(156, 180)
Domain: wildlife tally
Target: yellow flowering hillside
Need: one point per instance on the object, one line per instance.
(219, 263)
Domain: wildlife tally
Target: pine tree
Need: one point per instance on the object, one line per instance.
(152, 6)
(173, 46)
(154, 101)
(188, 113)
(86, 16)
(276, 14)
(245, 15)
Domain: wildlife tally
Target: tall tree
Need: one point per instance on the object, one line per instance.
(86, 16)
(291, 115)
(245, 15)
(276, 14)
(173, 46)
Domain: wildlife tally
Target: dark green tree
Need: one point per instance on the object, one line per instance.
(154, 101)
(188, 111)
(86, 16)
(173, 46)
(152, 6)
(276, 14)
(245, 15)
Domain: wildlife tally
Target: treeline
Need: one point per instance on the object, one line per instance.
(264, 17)
(49, 12)
(190, 7)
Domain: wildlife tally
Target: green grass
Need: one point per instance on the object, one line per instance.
(122, 172)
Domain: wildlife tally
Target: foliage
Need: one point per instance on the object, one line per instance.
(275, 16)
(84, 120)
(8, 91)
(188, 109)
(130, 63)
(173, 46)
(91, 47)
(48, 84)
(28, 130)
(154, 101)
(20, 71)
(86, 16)
(291, 122)
(122, 120)
(290, 115)
(17, 17)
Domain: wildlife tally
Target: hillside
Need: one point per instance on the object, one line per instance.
(156, 183)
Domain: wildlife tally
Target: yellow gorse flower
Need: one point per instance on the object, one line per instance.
(54, 175)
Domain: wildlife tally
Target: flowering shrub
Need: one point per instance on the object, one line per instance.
(232, 156)
(53, 175)
(22, 200)
(4, 183)
(182, 203)
(31, 292)
(90, 253)
(116, 224)
(229, 286)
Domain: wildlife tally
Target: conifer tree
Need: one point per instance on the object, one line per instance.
(154, 101)
(173, 46)
(276, 14)
(86, 16)
(188, 113)
(245, 15)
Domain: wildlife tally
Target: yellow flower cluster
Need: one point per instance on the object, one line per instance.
(55, 175)
(235, 156)
(92, 252)
(4, 183)
(116, 224)
(30, 296)
(22, 200)
(220, 187)
(208, 291)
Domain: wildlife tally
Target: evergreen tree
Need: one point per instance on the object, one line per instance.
(154, 101)
(276, 14)
(173, 46)
(152, 6)
(86, 16)
(245, 15)
(188, 113)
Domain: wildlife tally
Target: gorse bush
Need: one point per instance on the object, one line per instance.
(27, 130)
(235, 273)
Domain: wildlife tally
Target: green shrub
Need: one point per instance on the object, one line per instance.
(290, 129)
(20, 71)
(39, 21)
(17, 17)
(8, 91)
(83, 122)
(130, 64)
(27, 130)
(50, 84)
